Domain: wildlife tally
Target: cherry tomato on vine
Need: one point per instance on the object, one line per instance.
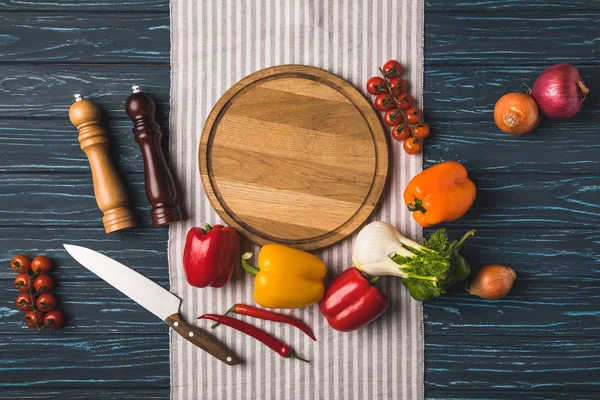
(43, 284)
(392, 69)
(401, 132)
(384, 102)
(46, 302)
(413, 116)
(30, 319)
(22, 282)
(393, 117)
(405, 101)
(41, 264)
(54, 319)
(398, 86)
(20, 263)
(412, 145)
(24, 302)
(421, 131)
(376, 85)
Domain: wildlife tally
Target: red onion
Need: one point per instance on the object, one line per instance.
(559, 91)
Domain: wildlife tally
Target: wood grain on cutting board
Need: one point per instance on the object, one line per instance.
(293, 155)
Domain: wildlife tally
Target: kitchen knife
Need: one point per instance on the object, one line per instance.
(151, 296)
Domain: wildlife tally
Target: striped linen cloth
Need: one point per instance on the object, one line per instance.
(216, 43)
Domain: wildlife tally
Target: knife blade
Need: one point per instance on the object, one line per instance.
(153, 297)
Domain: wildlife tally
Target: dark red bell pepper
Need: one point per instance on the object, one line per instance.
(209, 255)
(352, 301)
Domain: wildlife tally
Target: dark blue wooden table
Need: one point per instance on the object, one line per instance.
(537, 207)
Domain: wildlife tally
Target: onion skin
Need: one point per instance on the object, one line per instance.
(516, 113)
(492, 282)
(559, 91)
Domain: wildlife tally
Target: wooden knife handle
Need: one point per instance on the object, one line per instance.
(202, 339)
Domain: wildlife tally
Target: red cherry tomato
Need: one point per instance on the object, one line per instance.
(413, 115)
(22, 282)
(24, 302)
(30, 319)
(41, 264)
(398, 86)
(412, 145)
(54, 319)
(421, 131)
(46, 302)
(392, 69)
(376, 85)
(405, 101)
(393, 117)
(384, 102)
(43, 284)
(20, 263)
(401, 132)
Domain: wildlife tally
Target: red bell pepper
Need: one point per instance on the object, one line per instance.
(209, 255)
(351, 301)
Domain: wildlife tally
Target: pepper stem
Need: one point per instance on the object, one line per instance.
(418, 206)
(374, 280)
(251, 269)
(231, 310)
(292, 355)
(207, 227)
(464, 238)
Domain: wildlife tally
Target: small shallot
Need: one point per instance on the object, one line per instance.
(492, 282)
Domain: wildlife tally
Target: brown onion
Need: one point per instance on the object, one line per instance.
(492, 282)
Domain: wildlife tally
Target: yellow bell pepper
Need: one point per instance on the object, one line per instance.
(286, 277)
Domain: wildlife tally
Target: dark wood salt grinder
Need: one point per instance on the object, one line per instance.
(160, 187)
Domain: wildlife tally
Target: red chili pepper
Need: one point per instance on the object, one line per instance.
(209, 255)
(251, 311)
(351, 301)
(270, 341)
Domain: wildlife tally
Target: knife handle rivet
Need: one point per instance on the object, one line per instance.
(229, 359)
(175, 323)
(191, 334)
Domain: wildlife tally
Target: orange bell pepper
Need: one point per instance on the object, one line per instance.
(441, 193)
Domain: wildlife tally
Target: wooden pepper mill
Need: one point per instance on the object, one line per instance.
(160, 187)
(108, 189)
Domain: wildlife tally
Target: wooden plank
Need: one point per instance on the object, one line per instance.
(160, 392)
(98, 361)
(481, 363)
(453, 93)
(45, 145)
(47, 90)
(452, 40)
(148, 391)
(512, 363)
(456, 131)
(506, 38)
(529, 394)
(431, 6)
(144, 249)
(554, 147)
(86, 38)
(38, 199)
(556, 292)
(112, 6)
(515, 6)
(510, 201)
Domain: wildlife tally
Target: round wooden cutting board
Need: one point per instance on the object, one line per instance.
(293, 155)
